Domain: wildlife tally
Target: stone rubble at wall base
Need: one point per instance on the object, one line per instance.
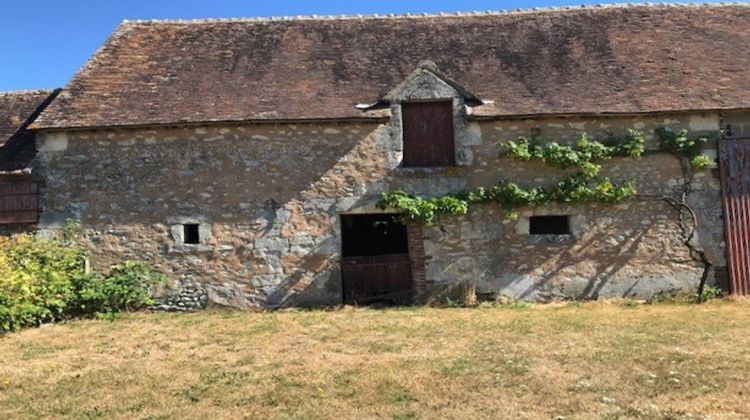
(184, 299)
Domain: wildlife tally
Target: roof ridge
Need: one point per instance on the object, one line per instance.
(438, 14)
(26, 91)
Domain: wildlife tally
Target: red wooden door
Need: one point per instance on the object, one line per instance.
(734, 161)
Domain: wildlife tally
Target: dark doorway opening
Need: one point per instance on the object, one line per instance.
(375, 266)
(372, 234)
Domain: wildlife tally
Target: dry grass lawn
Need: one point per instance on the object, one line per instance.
(594, 360)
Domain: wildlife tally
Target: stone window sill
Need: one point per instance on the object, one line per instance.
(551, 239)
(190, 248)
(454, 170)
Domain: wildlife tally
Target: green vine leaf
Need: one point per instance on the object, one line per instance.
(681, 143)
(509, 196)
(701, 162)
(584, 155)
(584, 186)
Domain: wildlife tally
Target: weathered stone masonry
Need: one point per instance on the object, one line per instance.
(268, 197)
(224, 152)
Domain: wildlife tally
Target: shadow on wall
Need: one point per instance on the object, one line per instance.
(272, 196)
(17, 152)
(631, 254)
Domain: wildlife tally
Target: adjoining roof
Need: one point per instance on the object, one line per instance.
(630, 59)
(17, 110)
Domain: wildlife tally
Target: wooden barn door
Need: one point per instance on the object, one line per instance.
(377, 279)
(734, 161)
(375, 267)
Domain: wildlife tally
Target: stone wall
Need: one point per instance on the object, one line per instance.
(630, 249)
(267, 199)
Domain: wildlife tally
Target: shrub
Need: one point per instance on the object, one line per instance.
(86, 298)
(35, 284)
(45, 281)
(128, 287)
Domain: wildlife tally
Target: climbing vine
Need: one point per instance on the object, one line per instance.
(583, 186)
(688, 151)
(584, 155)
(680, 144)
(576, 188)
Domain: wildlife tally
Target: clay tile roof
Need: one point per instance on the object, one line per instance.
(17, 109)
(614, 59)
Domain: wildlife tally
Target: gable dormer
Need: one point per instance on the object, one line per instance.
(426, 82)
(428, 110)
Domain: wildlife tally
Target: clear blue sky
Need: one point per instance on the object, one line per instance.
(44, 42)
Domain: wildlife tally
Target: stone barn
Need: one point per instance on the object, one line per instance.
(248, 158)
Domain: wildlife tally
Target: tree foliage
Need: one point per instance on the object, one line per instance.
(509, 196)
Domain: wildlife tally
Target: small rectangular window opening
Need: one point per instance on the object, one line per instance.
(549, 225)
(737, 126)
(191, 233)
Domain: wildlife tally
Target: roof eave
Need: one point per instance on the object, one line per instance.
(363, 119)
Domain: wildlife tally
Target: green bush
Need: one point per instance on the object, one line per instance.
(128, 287)
(35, 282)
(45, 281)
